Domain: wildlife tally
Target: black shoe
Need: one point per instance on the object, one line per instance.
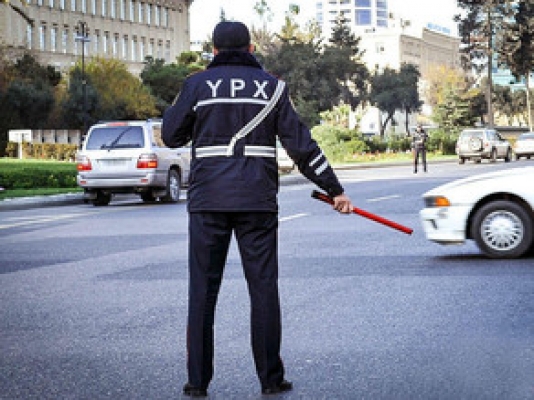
(284, 386)
(192, 391)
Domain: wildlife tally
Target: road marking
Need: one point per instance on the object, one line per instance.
(290, 217)
(393, 196)
(42, 219)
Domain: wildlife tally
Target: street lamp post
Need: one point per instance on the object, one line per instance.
(82, 35)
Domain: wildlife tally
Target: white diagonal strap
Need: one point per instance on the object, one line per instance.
(254, 122)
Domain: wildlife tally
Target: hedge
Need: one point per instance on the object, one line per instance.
(33, 174)
(46, 151)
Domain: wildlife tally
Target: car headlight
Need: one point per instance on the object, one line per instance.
(437, 201)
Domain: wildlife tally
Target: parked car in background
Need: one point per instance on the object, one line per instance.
(285, 163)
(524, 145)
(476, 144)
(495, 209)
(130, 157)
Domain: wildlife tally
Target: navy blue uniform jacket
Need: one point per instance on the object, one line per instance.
(211, 108)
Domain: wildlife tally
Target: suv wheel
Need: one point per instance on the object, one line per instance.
(462, 160)
(493, 155)
(508, 156)
(102, 198)
(173, 187)
(503, 229)
(148, 197)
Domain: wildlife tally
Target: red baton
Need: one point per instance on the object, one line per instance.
(327, 199)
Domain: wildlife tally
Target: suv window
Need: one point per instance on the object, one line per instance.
(116, 137)
(472, 134)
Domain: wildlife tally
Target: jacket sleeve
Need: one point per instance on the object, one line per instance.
(179, 118)
(296, 139)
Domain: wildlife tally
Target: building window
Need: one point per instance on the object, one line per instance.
(382, 4)
(115, 45)
(61, 4)
(122, 12)
(84, 6)
(148, 13)
(93, 7)
(363, 17)
(140, 12)
(124, 47)
(168, 51)
(105, 43)
(363, 3)
(29, 36)
(142, 49)
(151, 49)
(157, 16)
(166, 17)
(75, 43)
(53, 39)
(39, 2)
(51, 3)
(112, 9)
(96, 41)
(42, 37)
(73, 5)
(133, 52)
(132, 11)
(65, 40)
(104, 7)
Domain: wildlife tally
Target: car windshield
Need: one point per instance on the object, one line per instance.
(471, 134)
(116, 137)
(526, 136)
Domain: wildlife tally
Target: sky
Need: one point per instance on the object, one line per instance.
(205, 14)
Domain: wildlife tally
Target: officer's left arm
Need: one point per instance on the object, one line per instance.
(179, 119)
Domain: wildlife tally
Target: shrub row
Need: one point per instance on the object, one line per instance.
(31, 174)
(45, 151)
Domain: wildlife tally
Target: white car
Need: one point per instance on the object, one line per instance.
(495, 209)
(524, 146)
(130, 157)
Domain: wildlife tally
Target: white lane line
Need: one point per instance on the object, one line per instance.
(42, 219)
(393, 196)
(290, 217)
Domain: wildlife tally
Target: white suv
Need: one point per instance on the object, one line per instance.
(130, 157)
(482, 143)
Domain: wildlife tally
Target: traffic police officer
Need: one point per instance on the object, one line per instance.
(419, 147)
(233, 112)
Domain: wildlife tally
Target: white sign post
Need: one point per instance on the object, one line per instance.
(20, 136)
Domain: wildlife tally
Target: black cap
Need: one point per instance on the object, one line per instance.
(229, 35)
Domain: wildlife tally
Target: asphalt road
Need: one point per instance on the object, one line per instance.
(94, 302)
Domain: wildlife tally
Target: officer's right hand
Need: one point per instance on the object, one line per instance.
(343, 204)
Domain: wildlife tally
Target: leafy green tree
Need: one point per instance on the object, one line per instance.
(478, 26)
(75, 108)
(454, 112)
(516, 44)
(393, 90)
(165, 80)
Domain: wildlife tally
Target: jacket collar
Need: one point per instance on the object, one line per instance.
(235, 58)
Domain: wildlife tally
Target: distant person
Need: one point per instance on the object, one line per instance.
(233, 112)
(419, 140)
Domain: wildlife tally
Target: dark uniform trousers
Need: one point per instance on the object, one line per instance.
(256, 234)
(419, 151)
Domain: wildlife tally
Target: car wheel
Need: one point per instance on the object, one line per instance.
(102, 198)
(493, 155)
(462, 160)
(508, 156)
(173, 187)
(502, 229)
(148, 197)
(517, 157)
(475, 144)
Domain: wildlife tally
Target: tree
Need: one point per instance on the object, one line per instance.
(516, 44)
(393, 90)
(482, 19)
(120, 95)
(165, 80)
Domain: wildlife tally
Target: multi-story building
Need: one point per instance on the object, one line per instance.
(389, 40)
(129, 30)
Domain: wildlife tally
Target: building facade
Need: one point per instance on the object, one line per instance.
(128, 30)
